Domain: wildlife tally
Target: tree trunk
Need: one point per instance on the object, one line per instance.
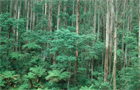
(25, 7)
(98, 21)
(139, 32)
(58, 18)
(64, 10)
(28, 15)
(50, 25)
(115, 48)
(84, 12)
(111, 42)
(15, 16)
(33, 23)
(73, 11)
(107, 44)
(123, 34)
(31, 16)
(125, 64)
(77, 32)
(19, 10)
(94, 25)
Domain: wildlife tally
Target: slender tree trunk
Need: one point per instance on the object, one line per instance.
(25, 7)
(50, 24)
(98, 21)
(107, 44)
(31, 15)
(89, 15)
(94, 25)
(19, 10)
(84, 12)
(123, 33)
(11, 5)
(58, 18)
(115, 48)
(64, 10)
(50, 16)
(111, 42)
(77, 32)
(33, 23)
(126, 51)
(15, 16)
(73, 11)
(28, 15)
(131, 17)
(46, 7)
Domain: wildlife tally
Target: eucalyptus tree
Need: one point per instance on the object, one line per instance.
(77, 32)
(107, 42)
(115, 43)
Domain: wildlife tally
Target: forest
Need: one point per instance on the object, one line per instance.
(69, 44)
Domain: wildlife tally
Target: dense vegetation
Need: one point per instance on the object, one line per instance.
(69, 44)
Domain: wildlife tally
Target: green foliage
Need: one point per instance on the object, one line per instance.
(38, 70)
(57, 75)
(87, 88)
(2, 82)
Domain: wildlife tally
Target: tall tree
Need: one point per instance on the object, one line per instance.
(110, 34)
(58, 17)
(33, 23)
(139, 31)
(28, 15)
(107, 43)
(77, 32)
(19, 11)
(115, 46)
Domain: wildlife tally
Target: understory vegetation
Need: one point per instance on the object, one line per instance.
(45, 46)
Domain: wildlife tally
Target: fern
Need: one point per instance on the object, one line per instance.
(87, 88)
(56, 75)
(31, 46)
(38, 70)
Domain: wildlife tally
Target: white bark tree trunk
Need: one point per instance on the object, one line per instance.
(115, 48)
(58, 18)
(28, 15)
(107, 44)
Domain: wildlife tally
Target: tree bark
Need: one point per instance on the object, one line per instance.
(77, 32)
(73, 11)
(98, 22)
(58, 18)
(33, 23)
(28, 15)
(64, 10)
(19, 10)
(111, 42)
(31, 15)
(123, 33)
(11, 5)
(94, 25)
(107, 44)
(115, 48)
(15, 16)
